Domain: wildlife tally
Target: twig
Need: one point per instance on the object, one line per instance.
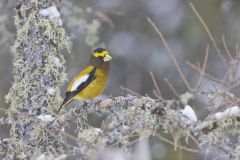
(158, 92)
(208, 32)
(105, 18)
(226, 48)
(126, 137)
(172, 143)
(235, 64)
(227, 75)
(172, 88)
(170, 54)
(130, 91)
(205, 74)
(194, 139)
(233, 86)
(202, 71)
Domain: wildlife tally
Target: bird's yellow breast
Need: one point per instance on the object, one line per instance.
(96, 87)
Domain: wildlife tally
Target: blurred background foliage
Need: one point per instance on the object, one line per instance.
(121, 26)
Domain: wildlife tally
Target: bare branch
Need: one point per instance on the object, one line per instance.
(179, 146)
(158, 92)
(226, 48)
(208, 32)
(202, 71)
(130, 91)
(205, 74)
(172, 88)
(169, 51)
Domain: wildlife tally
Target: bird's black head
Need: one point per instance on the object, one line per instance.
(100, 56)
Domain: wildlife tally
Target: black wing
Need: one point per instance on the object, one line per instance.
(70, 95)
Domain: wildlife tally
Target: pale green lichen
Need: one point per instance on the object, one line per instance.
(52, 35)
(38, 74)
(141, 120)
(174, 125)
(229, 128)
(90, 135)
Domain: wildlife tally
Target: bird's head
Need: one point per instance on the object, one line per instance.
(100, 56)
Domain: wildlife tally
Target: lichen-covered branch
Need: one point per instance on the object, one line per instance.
(130, 117)
(38, 74)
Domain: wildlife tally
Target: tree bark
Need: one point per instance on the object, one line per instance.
(38, 72)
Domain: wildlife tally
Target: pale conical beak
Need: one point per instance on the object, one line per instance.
(107, 58)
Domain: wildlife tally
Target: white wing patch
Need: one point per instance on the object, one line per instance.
(79, 81)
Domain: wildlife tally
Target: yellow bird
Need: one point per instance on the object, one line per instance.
(91, 81)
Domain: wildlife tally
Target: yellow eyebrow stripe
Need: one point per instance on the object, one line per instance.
(101, 54)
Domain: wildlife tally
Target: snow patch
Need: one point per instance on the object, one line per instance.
(57, 62)
(232, 111)
(41, 157)
(61, 157)
(51, 91)
(189, 112)
(98, 130)
(46, 118)
(52, 13)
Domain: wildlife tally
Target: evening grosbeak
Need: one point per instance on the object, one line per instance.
(91, 81)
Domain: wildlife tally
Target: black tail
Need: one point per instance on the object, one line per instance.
(67, 99)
